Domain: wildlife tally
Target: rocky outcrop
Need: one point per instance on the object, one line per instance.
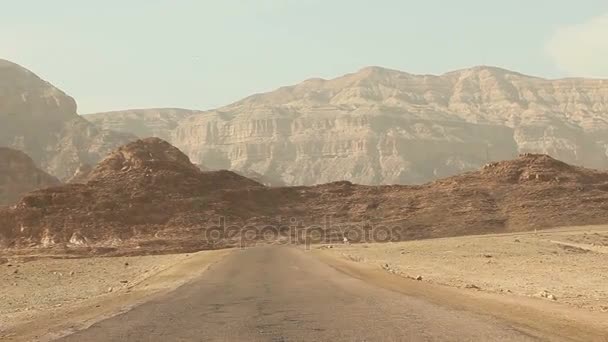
(139, 192)
(147, 197)
(144, 123)
(81, 175)
(19, 175)
(42, 121)
(380, 126)
(375, 126)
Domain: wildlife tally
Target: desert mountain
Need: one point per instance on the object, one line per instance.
(148, 196)
(141, 190)
(144, 123)
(41, 120)
(381, 126)
(19, 175)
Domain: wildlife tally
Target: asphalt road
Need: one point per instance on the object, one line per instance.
(285, 294)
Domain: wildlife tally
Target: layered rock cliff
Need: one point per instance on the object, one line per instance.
(41, 120)
(154, 122)
(19, 175)
(380, 126)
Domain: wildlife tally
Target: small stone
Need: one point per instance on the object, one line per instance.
(124, 281)
(418, 277)
(110, 289)
(471, 286)
(547, 295)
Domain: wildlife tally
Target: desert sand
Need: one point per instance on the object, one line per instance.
(565, 265)
(60, 295)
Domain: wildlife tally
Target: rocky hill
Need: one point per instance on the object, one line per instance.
(19, 175)
(148, 197)
(42, 121)
(139, 192)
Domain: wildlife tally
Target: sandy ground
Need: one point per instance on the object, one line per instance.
(561, 273)
(566, 265)
(43, 295)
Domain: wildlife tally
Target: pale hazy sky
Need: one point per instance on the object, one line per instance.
(119, 54)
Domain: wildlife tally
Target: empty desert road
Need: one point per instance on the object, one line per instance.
(286, 294)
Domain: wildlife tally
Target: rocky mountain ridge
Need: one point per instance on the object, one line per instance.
(144, 123)
(42, 121)
(381, 126)
(147, 197)
(375, 126)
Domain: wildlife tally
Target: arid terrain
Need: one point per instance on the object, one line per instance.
(554, 280)
(51, 296)
(566, 265)
(381, 126)
(303, 170)
(20, 175)
(124, 227)
(147, 197)
(374, 126)
(42, 121)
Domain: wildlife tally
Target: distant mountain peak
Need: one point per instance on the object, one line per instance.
(42, 121)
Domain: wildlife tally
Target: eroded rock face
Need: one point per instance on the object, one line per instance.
(19, 175)
(138, 193)
(144, 123)
(147, 197)
(42, 121)
(382, 126)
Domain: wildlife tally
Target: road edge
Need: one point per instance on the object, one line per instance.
(535, 317)
(52, 325)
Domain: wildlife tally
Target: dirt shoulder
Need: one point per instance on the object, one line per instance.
(47, 298)
(552, 281)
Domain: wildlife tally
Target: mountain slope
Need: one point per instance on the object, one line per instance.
(19, 175)
(148, 197)
(144, 123)
(381, 126)
(41, 120)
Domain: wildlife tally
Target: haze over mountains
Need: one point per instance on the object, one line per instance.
(155, 122)
(19, 175)
(380, 126)
(41, 120)
(375, 126)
